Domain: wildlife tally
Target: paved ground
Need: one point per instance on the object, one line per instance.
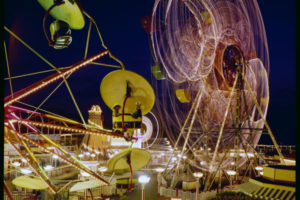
(150, 189)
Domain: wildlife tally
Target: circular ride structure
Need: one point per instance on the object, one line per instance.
(215, 61)
(151, 130)
(31, 130)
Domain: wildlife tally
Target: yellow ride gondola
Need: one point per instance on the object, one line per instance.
(183, 95)
(68, 16)
(130, 97)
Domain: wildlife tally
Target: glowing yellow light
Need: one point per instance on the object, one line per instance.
(159, 169)
(198, 174)
(102, 169)
(144, 179)
(48, 167)
(25, 171)
(250, 155)
(261, 173)
(16, 164)
(80, 155)
(85, 174)
(202, 163)
(231, 172)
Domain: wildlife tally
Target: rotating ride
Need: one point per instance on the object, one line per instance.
(129, 160)
(68, 16)
(129, 96)
(29, 129)
(215, 95)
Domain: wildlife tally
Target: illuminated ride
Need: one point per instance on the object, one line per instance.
(130, 97)
(29, 129)
(68, 16)
(211, 80)
(129, 160)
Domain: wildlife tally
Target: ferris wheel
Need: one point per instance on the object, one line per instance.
(211, 80)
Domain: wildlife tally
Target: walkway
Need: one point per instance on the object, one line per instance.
(150, 188)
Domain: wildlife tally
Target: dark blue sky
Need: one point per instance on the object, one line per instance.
(120, 25)
(280, 23)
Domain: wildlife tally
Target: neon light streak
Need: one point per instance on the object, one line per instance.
(70, 129)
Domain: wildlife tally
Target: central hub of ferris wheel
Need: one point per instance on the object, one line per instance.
(233, 62)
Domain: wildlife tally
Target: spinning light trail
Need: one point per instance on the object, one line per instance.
(204, 46)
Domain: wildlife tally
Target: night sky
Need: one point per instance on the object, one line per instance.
(120, 25)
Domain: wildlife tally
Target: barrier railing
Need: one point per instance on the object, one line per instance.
(17, 196)
(105, 190)
(264, 148)
(186, 195)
